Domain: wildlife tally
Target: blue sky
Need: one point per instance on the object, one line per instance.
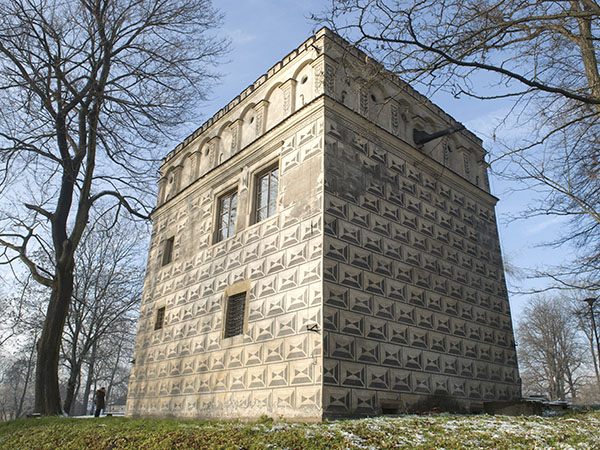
(263, 31)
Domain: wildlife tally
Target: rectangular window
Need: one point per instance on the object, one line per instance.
(236, 308)
(168, 251)
(160, 318)
(267, 187)
(227, 215)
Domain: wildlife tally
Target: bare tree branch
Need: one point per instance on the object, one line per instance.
(89, 91)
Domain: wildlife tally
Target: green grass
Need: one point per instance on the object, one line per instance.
(577, 431)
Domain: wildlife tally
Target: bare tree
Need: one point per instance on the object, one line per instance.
(16, 382)
(540, 55)
(23, 317)
(88, 90)
(17, 311)
(583, 312)
(89, 379)
(108, 285)
(108, 280)
(107, 364)
(113, 363)
(551, 353)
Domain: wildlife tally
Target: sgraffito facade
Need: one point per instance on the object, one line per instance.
(309, 259)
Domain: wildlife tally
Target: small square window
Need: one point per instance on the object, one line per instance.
(227, 214)
(267, 188)
(160, 318)
(235, 311)
(168, 251)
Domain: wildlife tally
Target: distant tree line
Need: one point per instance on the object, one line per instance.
(557, 349)
(97, 343)
(91, 91)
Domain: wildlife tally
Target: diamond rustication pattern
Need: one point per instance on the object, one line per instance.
(375, 282)
(414, 297)
(199, 366)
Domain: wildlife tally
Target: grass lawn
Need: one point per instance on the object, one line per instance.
(577, 431)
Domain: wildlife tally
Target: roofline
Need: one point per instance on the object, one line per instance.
(288, 59)
(250, 89)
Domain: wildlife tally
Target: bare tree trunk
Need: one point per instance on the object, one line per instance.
(54, 145)
(571, 383)
(26, 382)
(95, 388)
(595, 364)
(47, 393)
(588, 49)
(589, 334)
(71, 386)
(77, 390)
(114, 370)
(560, 384)
(4, 415)
(89, 378)
(75, 368)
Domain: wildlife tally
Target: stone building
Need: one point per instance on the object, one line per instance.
(316, 253)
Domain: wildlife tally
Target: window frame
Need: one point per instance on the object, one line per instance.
(240, 309)
(230, 192)
(168, 251)
(266, 169)
(161, 313)
(241, 287)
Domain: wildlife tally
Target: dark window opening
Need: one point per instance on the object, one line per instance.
(168, 251)
(267, 188)
(236, 308)
(160, 318)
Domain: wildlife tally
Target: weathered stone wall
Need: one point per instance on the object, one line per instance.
(415, 297)
(286, 88)
(321, 65)
(377, 284)
(188, 368)
(365, 87)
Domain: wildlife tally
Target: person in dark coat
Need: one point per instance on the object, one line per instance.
(99, 401)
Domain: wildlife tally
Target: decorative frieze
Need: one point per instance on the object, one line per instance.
(289, 96)
(395, 118)
(260, 118)
(465, 156)
(319, 76)
(236, 134)
(329, 79)
(364, 101)
(446, 149)
(213, 149)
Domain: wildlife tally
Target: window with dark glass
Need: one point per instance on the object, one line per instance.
(227, 215)
(234, 321)
(168, 251)
(267, 187)
(160, 318)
